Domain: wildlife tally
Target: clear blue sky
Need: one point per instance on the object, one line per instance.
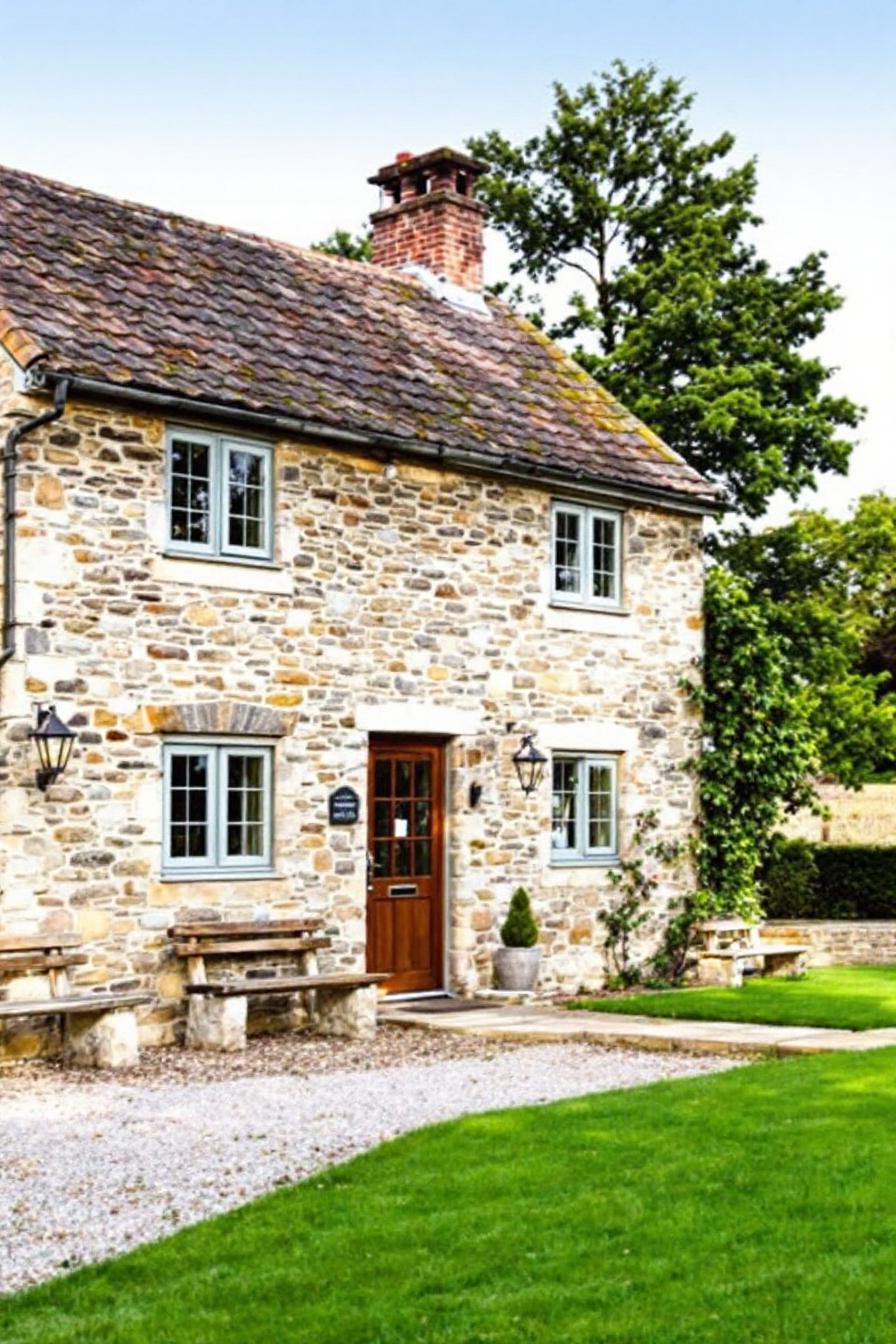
(270, 116)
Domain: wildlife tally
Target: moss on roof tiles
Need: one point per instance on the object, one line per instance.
(131, 295)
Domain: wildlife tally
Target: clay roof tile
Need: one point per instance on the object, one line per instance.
(130, 295)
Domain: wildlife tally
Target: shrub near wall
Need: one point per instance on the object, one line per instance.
(806, 881)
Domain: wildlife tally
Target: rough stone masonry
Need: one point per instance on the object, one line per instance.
(419, 587)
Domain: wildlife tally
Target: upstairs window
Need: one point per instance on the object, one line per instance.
(584, 804)
(217, 808)
(219, 495)
(586, 561)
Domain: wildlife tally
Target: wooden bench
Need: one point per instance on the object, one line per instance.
(730, 946)
(343, 1004)
(99, 1026)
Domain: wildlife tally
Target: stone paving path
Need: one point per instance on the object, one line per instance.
(647, 1033)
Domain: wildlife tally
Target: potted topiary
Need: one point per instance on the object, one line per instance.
(516, 963)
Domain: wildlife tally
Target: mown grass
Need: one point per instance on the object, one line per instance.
(856, 998)
(757, 1205)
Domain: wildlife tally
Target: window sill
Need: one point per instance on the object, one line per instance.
(611, 609)
(207, 558)
(597, 861)
(224, 875)
(586, 620)
(222, 571)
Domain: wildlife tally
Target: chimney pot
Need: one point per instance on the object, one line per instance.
(429, 216)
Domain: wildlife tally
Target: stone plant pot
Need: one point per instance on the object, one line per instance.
(516, 968)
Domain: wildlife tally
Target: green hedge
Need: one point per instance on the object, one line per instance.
(805, 881)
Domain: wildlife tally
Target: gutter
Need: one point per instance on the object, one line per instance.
(386, 445)
(10, 471)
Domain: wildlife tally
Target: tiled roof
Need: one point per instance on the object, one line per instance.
(96, 287)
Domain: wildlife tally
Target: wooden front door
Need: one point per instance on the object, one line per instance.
(404, 882)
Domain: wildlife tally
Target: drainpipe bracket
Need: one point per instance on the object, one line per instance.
(32, 380)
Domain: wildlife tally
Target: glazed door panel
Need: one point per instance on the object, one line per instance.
(405, 847)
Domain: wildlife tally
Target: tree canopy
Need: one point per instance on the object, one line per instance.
(676, 311)
(343, 243)
(829, 588)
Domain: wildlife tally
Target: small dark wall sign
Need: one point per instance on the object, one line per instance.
(345, 807)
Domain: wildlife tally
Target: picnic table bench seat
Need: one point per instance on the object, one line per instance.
(99, 1026)
(732, 945)
(338, 1004)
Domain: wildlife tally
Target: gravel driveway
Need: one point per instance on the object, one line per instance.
(92, 1164)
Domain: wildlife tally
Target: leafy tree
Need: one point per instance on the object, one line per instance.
(342, 243)
(676, 311)
(829, 588)
(760, 748)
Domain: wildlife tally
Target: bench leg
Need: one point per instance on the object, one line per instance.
(346, 1012)
(725, 971)
(302, 1014)
(217, 1024)
(101, 1040)
(785, 965)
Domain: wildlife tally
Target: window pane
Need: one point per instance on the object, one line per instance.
(188, 836)
(383, 779)
(190, 492)
(381, 858)
(423, 779)
(381, 818)
(403, 779)
(422, 858)
(422, 818)
(246, 499)
(245, 806)
(603, 562)
(402, 858)
(600, 807)
(563, 806)
(567, 552)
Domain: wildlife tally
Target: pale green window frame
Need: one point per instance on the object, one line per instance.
(219, 843)
(586, 556)
(223, 451)
(584, 808)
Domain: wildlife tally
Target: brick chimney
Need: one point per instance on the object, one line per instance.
(428, 215)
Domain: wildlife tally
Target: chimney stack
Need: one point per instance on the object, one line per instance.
(428, 215)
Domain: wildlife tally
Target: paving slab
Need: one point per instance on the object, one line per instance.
(823, 1039)
(533, 1023)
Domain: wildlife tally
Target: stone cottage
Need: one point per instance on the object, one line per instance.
(284, 530)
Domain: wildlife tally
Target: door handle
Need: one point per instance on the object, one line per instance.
(369, 871)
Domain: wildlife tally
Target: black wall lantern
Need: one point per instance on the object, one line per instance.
(54, 740)
(530, 764)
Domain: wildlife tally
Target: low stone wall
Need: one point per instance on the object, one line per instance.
(856, 817)
(839, 942)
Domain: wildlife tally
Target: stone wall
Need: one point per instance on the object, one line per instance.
(839, 942)
(866, 816)
(422, 594)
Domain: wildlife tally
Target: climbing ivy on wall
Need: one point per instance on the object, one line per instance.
(759, 749)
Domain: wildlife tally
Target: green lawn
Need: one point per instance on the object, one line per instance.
(757, 1205)
(854, 997)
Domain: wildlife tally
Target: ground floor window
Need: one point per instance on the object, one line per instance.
(584, 808)
(217, 812)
